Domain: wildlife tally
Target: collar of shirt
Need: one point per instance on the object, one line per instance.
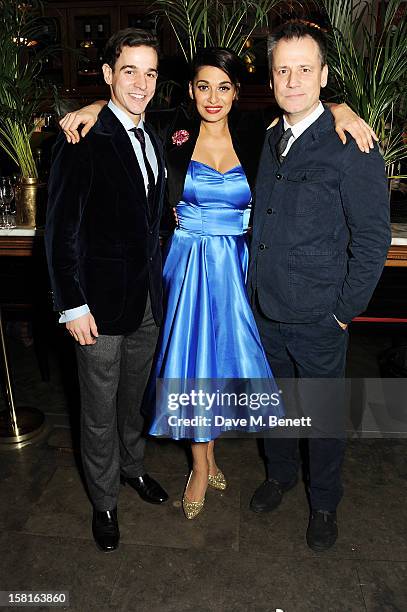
(305, 123)
(128, 124)
(124, 119)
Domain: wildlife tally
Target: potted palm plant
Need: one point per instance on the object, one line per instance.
(368, 60)
(202, 23)
(21, 89)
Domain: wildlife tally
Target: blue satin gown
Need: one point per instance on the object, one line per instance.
(209, 331)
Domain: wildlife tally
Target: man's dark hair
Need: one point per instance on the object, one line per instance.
(130, 37)
(299, 29)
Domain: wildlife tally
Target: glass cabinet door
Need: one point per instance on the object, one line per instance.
(89, 30)
(55, 69)
(82, 32)
(141, 15)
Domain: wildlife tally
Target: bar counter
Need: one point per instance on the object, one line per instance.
(18, 242)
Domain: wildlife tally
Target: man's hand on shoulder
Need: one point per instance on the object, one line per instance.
(83, 329)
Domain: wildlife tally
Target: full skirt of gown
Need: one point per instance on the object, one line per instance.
(209, 337)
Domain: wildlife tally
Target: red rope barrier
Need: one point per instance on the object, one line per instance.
(379, 320)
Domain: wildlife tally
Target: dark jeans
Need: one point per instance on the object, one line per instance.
(113, 374)
(308, 351)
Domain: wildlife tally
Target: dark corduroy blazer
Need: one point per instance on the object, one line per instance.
(321, 228)
(102, 241)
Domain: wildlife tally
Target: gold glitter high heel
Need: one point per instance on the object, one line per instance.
(191, 508)
(218, 482)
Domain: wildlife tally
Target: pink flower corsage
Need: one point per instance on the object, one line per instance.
(179, 137)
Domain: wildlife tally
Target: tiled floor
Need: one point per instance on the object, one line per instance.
(228, 559)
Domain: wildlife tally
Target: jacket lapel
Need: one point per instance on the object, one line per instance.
(273, 138)
(307, 138)
(178, 158)
(247, 139)
(124, 152)
(158, 192)
(266, 175)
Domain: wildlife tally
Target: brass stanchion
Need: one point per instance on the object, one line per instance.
(18, 425)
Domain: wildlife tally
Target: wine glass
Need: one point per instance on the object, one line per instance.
(7, 197)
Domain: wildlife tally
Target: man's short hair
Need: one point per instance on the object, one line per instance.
(299, 29)
(130, 37)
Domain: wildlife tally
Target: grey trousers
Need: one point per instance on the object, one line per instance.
(113, 374)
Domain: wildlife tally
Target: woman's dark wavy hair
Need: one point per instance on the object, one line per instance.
(130, 37)
(221, 58)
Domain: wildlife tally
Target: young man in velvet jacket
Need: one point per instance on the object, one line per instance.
(102, 239)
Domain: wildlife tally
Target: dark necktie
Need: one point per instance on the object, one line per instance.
(139, 134)
(282, 144)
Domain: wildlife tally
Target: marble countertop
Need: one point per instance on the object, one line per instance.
(399, 233)
(20, 231)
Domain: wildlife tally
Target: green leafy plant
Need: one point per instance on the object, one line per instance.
(368, 60)
(203, 23)
(21, 87)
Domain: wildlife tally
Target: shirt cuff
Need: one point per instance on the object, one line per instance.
(73, 313)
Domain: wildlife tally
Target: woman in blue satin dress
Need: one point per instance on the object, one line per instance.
(209, 331)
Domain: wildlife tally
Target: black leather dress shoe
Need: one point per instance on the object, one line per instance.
(322, 530)
(269, 495)
(148, 488)
(106, 530)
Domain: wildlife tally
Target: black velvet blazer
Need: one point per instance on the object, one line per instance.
(102, 241)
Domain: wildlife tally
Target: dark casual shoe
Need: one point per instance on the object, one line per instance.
(106, 530)
(269, 495)
(322, 530)
(148, 488)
